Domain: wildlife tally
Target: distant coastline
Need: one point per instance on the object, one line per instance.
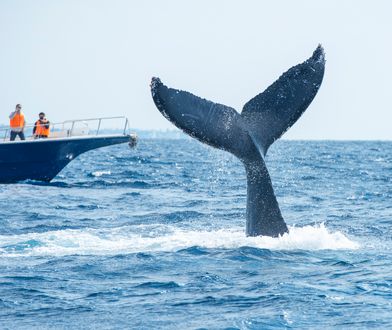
(176, 134)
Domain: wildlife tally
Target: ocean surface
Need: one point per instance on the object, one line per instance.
(153, 238)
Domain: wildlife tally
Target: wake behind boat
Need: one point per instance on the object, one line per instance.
(43, 159)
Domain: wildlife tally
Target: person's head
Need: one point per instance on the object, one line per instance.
(41, 115)
(18, 107)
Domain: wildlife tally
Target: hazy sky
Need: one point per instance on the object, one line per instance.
(76, 58)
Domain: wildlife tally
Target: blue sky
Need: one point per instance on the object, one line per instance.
(77, 58)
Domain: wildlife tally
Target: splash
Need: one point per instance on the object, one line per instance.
(153, 238)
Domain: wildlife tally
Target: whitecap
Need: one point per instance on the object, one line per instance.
(100, 173)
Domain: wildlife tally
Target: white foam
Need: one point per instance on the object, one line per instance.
(153, 238)
(100, 173)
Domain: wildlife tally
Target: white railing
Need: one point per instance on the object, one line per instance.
(76, 127)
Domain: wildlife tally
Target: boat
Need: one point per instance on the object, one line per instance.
(42, 159)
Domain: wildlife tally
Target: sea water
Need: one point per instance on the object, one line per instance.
(153, 238)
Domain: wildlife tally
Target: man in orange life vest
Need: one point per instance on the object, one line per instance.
(17, 123)
(41, 127)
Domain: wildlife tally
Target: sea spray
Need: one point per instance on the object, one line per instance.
(166, 238)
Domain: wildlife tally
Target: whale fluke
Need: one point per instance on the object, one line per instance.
(248, 136)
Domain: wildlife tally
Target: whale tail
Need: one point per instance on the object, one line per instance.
(248, 136)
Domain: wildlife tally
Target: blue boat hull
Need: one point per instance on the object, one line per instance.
(43, 159)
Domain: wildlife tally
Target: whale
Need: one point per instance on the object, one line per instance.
(249, 134)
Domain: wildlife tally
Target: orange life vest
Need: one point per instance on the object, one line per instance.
(17, 121)
(40, 128)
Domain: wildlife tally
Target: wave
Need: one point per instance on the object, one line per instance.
(165, 238)
(102, 180)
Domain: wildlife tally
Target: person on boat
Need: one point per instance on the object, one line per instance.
(17, 123)
(41, 127)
